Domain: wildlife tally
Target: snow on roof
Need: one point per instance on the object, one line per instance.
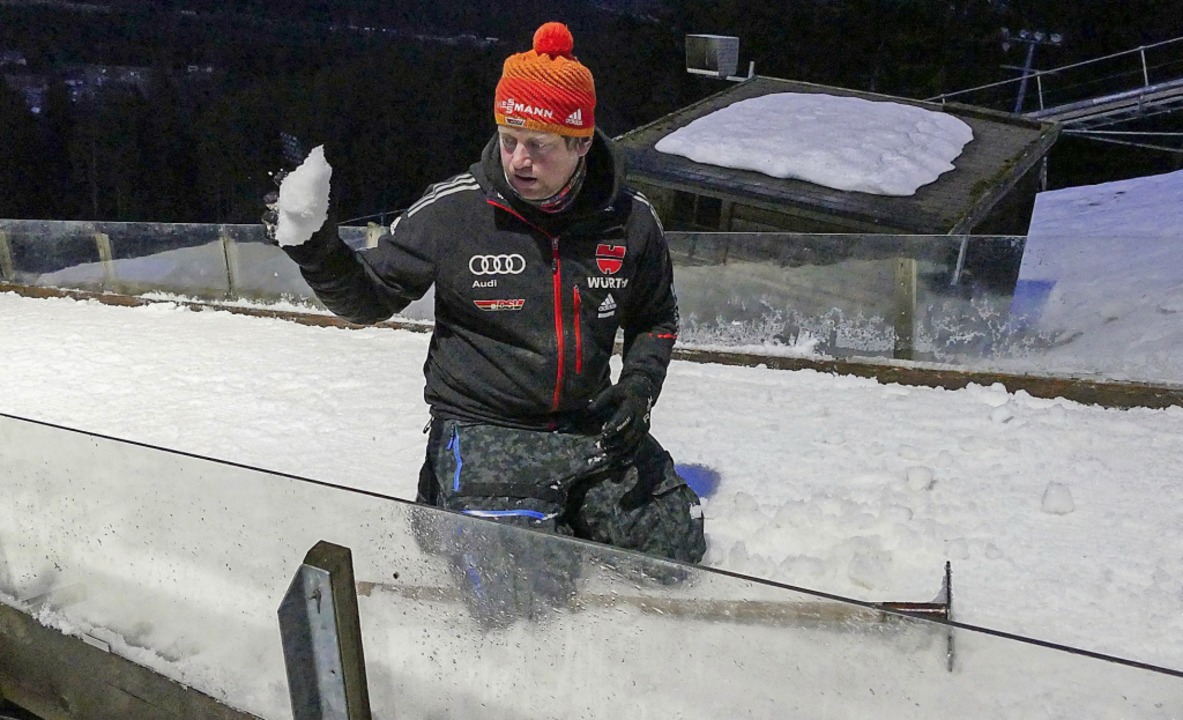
(846, 143)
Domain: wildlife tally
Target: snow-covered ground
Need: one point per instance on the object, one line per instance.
(1106, 260)
(1061, 520)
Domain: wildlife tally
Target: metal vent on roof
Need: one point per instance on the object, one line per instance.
(716, 55)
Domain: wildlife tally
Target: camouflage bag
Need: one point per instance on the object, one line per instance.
(559, 483)
(563, 483)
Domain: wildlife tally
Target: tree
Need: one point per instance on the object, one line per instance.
(166, 148)
(18, 159)
(60, 193)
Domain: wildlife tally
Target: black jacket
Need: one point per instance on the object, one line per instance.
(527, 305)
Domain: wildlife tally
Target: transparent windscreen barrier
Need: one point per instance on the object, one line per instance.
(1046, 305)
(209, 262)
(179, 563)
(845, 295)
(1051, 306)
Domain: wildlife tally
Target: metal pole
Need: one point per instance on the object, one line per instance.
(321, 635)
(905, 272)
(960, 260)
(230, 257)
(7, 267)
(106, 257)
(1023, 81)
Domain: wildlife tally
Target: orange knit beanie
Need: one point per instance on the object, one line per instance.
(547, 88)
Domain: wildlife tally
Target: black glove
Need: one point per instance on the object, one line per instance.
(294, 155)
(629, 402)
(270, 217)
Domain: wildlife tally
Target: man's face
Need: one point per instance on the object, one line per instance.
(538, 164)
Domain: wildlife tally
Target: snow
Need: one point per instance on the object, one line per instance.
(846, 143)
(835, 483)
(1057, 499)
(1101, 263)
(304, 199)
(1060, 519)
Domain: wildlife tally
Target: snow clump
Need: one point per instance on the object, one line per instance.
(1057, 499)
(303, 203)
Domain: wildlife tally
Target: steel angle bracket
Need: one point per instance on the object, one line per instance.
(939, 608)
(321, 634)
(772, 612)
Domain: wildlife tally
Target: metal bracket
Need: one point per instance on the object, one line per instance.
(321, 634)
(941, 608)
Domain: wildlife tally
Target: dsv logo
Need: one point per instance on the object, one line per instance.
(496, 264)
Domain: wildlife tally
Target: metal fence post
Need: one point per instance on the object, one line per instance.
(7, 267)
(321, 634)
(102, 242)
(230, 255)
(373, 232)
(905, 309)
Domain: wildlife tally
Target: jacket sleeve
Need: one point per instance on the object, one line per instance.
(366, 286)
(650, 321)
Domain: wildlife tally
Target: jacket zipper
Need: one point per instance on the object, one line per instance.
(557, 294)
(578, 334)
(556, 274)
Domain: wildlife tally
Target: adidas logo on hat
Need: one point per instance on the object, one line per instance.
(575, 118)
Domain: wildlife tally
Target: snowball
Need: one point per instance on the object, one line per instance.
(1002, 414)
(799, 568)
(994, 396)
(738, 555)
(1057, 413)
(304, 199)
(869, 568)
(1057, 499)
(919, 478)
(897, 514)
(746, 503)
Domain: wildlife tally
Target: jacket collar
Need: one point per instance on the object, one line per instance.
(601, 187)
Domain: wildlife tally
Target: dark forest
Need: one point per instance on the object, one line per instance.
(400, 92)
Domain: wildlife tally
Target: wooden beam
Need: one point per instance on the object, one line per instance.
(62, 677)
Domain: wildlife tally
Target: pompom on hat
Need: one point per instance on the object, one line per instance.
(547, 88)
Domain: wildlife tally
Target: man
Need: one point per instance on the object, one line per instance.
(538, 255)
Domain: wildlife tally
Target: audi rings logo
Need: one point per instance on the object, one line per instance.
(497, 264)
